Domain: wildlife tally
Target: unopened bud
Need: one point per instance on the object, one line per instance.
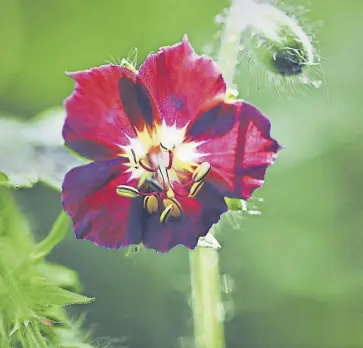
(277, 41)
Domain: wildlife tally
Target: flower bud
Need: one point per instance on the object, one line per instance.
(277, 41)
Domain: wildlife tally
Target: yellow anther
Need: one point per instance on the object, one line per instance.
(127, 191)
(167, 212)
(151, 204)
(201, 172)
(195, 188)
(177, 209)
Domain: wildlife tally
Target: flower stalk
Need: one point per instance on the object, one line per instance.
(234, 25)
(207, 303)
(206, 298)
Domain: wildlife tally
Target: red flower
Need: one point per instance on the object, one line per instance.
(167, 147)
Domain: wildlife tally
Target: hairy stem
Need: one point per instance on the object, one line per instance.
(206, 298)
(234, 25)
(205, 279)
(55, 236)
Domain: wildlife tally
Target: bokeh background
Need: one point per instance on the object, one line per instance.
(292, 277)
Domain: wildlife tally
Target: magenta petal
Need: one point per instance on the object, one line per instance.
(181, 83)
(237, 143)
(109, 102)
(256, 151)
(98, 213)
(199, 214)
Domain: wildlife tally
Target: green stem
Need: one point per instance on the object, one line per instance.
(230, 40)
(206, 298)
(15, 295)
(205, 279)
(55, 236)
(35, 337)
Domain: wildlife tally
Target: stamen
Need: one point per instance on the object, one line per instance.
(177, 209)
(195, 188)
(151, 170)
(163, 147)
(151, 204)
(170, 160)
(201, 172)
(154, 185)
(170, 193)
(162, 177)
(171, 190)
(127, 191)
(135, 164)
(165, 215)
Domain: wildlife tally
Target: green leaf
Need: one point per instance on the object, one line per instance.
(42, 295)
(34, 151)
(13, 224)
(59, 275)
(4, 181)
(60, 297)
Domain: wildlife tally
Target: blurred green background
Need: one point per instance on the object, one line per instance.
(292, 277)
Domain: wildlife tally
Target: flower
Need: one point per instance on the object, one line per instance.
(167, 147)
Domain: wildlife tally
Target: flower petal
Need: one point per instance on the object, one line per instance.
(181, 83)
(107, 105)
(199, 214)
(98, 213)
(235, 140)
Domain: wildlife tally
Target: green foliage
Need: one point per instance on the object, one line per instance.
(34, 292)
(34, 151)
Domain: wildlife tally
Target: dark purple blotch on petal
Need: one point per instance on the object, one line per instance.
(135, 101)
(214, 122)
(90, 147)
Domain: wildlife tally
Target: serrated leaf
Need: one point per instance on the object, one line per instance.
(60, 297)
(42, 295)
(59, 275)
